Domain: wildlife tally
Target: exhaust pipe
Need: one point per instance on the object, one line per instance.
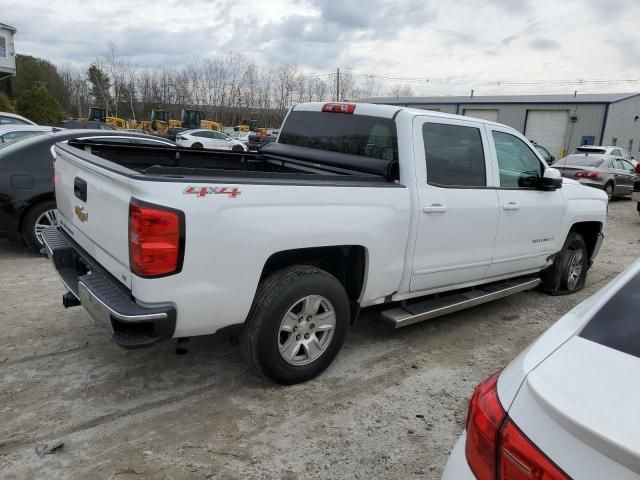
(70, 300)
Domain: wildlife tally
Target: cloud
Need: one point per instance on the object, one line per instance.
(474, 40)
(543, 44)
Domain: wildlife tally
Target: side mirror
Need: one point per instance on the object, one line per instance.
(551, 179)
(552, 159)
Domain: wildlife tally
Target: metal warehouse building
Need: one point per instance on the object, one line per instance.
(558, 122)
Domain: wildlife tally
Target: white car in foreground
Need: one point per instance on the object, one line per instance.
(566, 407)
(209, 139)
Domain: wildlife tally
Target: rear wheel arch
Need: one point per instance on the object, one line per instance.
(347, 263)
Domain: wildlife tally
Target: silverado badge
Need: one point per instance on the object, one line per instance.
(81, 214)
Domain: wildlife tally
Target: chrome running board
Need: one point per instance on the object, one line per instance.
(436, 306)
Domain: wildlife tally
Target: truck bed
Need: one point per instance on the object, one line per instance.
(282, 163)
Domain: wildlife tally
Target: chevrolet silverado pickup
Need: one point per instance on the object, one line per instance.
(355, 205)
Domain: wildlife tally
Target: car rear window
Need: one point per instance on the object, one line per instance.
(582, 161)
(590, 150)
(362, 135)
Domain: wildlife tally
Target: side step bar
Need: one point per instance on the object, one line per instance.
(437, 306)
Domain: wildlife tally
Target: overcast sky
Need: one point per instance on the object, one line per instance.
(468, 42)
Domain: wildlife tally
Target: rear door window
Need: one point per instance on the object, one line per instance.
(361, 135)
(454, 155)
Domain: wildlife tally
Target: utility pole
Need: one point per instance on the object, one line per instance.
(338, 85)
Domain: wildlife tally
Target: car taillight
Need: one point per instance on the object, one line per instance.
(496, 449)
(587, 174)
(156, 239)
(483, 424)
(339, 107)
(520, 459)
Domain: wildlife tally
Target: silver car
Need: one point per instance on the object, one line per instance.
(614, 175)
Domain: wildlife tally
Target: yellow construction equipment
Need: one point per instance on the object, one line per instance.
(248, 126)
(99, 114)
(195, 119)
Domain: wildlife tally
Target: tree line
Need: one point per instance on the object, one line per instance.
(228, 89)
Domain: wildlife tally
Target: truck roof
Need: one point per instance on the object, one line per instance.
(389, 111)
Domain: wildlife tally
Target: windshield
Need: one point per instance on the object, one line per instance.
(544, 152)
(361, 135)
(581, 160)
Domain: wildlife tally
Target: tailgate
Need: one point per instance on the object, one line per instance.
(92, 195)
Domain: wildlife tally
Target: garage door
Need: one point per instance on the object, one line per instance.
(484, 114)
(549, 129)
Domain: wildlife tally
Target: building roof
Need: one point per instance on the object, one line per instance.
(8, 27)
(498, 99)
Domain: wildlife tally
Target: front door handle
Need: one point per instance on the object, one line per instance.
(511, 206)
(435, 208)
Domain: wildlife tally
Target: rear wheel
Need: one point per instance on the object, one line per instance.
(608, 189)
(197, 146)
(569, 270)
(296, 326)
(42, 215)
(237, 148)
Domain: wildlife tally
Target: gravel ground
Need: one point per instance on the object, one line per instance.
(391, 406)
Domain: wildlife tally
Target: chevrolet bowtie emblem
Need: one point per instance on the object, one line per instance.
(81, 214)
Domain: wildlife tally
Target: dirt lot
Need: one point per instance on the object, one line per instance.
(391, 406)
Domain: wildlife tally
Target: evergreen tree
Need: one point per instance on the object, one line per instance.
(99, 82)
(38, 105)
(5, 104)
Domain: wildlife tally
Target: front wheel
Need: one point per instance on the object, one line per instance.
(237, 148)
(197, 146)
(569, 270)
(297, 324)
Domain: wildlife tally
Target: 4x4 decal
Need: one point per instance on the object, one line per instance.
(201, 192)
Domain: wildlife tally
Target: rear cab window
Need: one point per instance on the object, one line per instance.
(353, 134)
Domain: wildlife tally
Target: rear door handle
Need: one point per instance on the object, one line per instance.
(435, 208)
(511, 206)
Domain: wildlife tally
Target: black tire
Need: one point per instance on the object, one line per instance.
(560, 278)
(609, 189)
(197, 146)
(237, 148)
(261, 336)
(29, 223)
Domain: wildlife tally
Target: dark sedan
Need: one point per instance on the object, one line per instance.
(27, 202)
(612, 174)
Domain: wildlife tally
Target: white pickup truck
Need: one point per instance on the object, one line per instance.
(355, 205)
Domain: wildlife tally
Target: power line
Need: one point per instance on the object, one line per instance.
(453, 81)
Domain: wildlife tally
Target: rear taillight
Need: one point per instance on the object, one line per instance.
(339, 107)
(483, 424)
(495, 446)
(520, 459)
(156, 239)
(587, 174)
